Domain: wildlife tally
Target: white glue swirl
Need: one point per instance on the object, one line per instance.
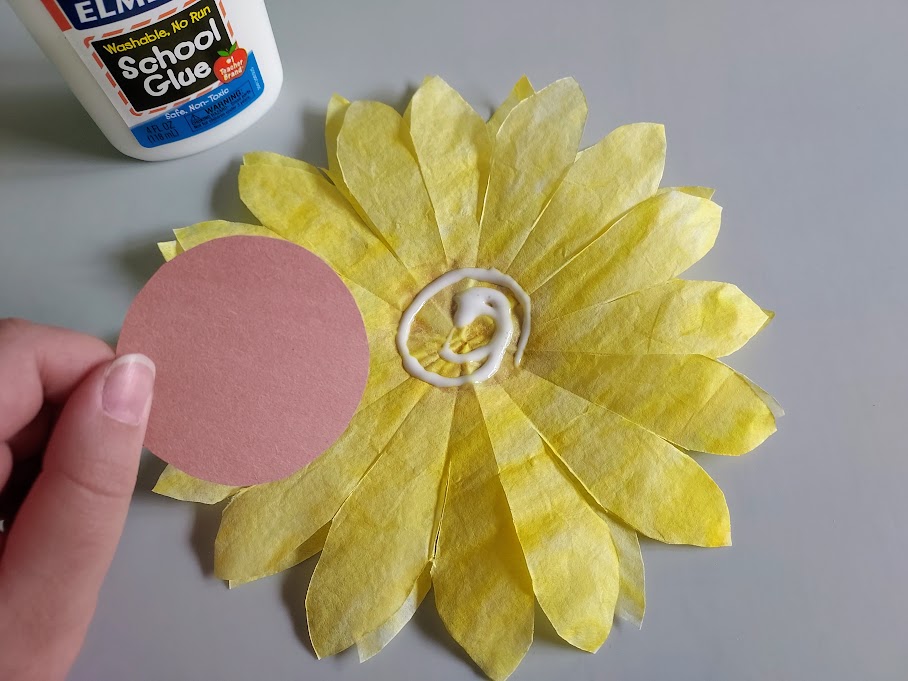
(470, 305)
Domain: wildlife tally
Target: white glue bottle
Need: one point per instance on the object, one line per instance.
(162, 78)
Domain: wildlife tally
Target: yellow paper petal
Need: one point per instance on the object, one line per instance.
(631, 603)
(267, 522)
(187, 237)
(372, 643)
(654, 242)
(304, 551)
(521, 90)
(270, 158)
(202, 232)
(535, 489)
(771, 402)
(309, 211)
(334, 121)
(380, 319)
(535, 146)
(483, 590)
(384, 177)
(568, 548)
(379, 316)
(607, 179)
(694, 401)
(169, 249)
(677, 317)
(454, 148)
(380, 542)
(176, 484)
(630, 471)
(385, 369)
(702, 192)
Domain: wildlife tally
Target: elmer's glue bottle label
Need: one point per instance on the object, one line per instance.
(172, 69)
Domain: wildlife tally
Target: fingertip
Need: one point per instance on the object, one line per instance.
(128, 389)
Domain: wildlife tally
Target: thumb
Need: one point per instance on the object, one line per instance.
(61, 545)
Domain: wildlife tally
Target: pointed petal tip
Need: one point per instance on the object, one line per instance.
(434, 78)
(571, 84)
(588, 645)
(320, 653)
(169, 250)
(523, 85)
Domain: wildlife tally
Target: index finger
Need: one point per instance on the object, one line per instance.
(41, 363)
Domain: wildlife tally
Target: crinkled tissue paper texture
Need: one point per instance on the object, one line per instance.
(534, 485)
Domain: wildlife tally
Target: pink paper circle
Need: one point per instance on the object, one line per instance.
(261, 356)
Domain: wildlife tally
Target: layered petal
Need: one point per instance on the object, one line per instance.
(567, 546)
(385, 371)
(378, 315)
(270, 158)
(629, 471)
(383, 536)
(631, 603)
(302, 552)
(677, 317)
(176, 484)
(265, 523)
(454, 147)
(372, 643)
(334, 121)
(378, 166)
(702, 192)
(696, 402)
(653, 242)
(308, 210)
(535, 146)
(521, 90)
(202, 232)
(188, 237)
(483, 590)
(169, 249)
(613, 175)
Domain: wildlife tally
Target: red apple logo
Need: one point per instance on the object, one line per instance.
(231, 64)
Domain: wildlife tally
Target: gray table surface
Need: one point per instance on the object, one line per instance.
(794, 110)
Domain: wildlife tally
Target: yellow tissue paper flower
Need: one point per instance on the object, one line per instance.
(538, 373)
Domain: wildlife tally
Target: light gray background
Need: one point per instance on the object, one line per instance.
(796, 111)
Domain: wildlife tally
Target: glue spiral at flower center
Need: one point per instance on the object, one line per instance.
(472, 303)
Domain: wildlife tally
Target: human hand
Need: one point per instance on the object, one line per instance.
(72, 411)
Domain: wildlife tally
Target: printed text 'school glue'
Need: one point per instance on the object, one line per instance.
(162, 78)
